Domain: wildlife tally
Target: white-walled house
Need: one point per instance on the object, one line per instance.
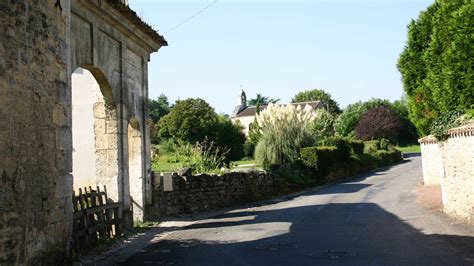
(245, 114)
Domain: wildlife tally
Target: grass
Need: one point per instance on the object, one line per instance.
(247, 164)
(244, 162)
(412, 148)
(164, 166)
(139, 226)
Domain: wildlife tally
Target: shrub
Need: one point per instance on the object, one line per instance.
(285, 130)
(444, 122)
(254, 132)
(167, 147)
(309, 157)
(379, 122)
(296, 173)
(386, 158)
(357, 147)
(323, 125)
(228, 136)
(249, 149)
(327, 156)
(211, 158)
(342, 145)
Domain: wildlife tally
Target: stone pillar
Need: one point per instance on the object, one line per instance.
(433, 171)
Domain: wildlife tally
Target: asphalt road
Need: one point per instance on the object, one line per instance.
(373, 220)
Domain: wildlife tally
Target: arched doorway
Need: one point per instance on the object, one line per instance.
(135, 169)
(95, 133)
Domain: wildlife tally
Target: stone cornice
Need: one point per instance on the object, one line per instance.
(462, 131)
(126, 21)
(132, 16)
(428, 140)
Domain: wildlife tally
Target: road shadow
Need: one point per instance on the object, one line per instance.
(349, 182)
(331, 234)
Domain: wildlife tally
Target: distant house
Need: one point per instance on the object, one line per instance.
(245, 114)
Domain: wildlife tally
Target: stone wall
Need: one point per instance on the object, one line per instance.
(35, 132)
(432, 161)
(457, 183)
(176, 195)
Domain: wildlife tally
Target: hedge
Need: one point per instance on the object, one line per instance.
(326, 160)
(319, 158)
(372, 146)
(309, 156)
(357, 147)
(342, 145)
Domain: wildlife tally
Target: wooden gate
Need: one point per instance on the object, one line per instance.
(94, 217)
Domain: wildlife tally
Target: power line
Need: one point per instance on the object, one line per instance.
(191, 17)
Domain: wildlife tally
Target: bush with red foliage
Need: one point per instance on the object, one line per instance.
(377, 123)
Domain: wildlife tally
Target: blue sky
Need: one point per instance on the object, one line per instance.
(278, 48)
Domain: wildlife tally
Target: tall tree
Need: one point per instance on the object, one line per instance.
(437, 64)
(347, 121)
(318, 95)
(158, 108)
(262, 100)
(190, 120)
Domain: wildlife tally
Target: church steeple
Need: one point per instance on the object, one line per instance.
(243, 98)
(241, 103)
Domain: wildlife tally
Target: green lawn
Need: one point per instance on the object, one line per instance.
(413, 148)
(164, 166)
(244, 162)
(247, 164)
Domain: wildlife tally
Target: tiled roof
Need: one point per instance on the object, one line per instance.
(252, 110)
(132, 16)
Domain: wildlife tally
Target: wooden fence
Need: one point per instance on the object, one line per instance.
(94, 217)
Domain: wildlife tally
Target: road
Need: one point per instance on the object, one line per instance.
(373, 220)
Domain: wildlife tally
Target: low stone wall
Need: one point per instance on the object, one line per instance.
(433, 171)
(176, 195)
(457, 162)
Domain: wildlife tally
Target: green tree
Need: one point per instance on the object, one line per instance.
(347, 121)
(323, 125)
(318, 95)
(158, 108)
(262, 100)
(437, 64)
(189, 120)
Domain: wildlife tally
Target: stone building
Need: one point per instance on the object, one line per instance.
(73, 101)
(245, 114)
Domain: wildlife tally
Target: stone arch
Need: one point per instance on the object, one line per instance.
(95, 132)
(135, 169)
